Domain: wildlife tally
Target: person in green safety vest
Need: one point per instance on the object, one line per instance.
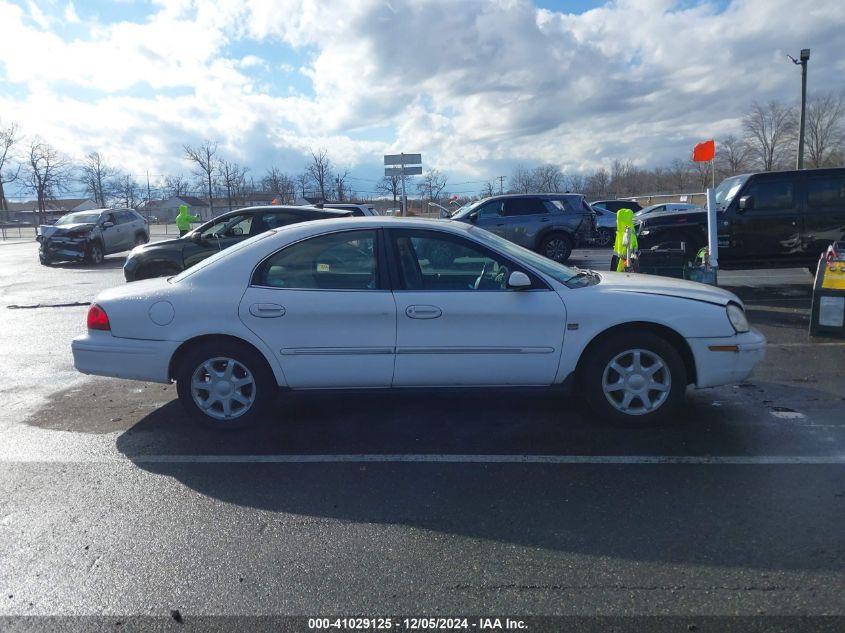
(626, 239)
(184, 219)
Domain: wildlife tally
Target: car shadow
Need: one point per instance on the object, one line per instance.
(728, 515)
(110, 261)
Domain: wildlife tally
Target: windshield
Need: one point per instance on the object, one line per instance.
(226, 252)
(465, 210)
(728, 188)
(79, 218)
(558, 272)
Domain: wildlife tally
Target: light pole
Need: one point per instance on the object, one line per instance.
(804, 57)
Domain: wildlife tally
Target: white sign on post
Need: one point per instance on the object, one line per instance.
(409, 165)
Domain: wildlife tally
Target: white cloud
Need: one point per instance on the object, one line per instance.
(470, 84)
(70, 14)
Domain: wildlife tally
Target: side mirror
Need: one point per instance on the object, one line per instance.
(746, 203)
(473, 217)
(196, 237)
(518, 280)
(107, 224)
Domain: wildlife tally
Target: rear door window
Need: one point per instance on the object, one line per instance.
(524, 206)
(771, 195)
(827, 192)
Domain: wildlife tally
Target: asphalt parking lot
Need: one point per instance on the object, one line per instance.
(112, 502)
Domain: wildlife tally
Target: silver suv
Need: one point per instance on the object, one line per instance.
(551, 224)
(91, 235)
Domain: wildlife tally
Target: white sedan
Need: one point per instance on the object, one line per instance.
(357, 303)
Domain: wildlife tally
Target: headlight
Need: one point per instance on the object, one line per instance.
(736, 316)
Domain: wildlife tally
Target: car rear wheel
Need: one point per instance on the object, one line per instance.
(225, 385)
(604, 237)
(633, 380)
(557, 246)
(95, 253)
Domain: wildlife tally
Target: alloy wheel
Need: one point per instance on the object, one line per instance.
(636, 382)
(223, 388)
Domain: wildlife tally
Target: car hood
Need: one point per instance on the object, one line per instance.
(49, 229)
(666, 286)
(160, 244)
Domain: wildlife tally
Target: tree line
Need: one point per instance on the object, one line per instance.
(768, 142)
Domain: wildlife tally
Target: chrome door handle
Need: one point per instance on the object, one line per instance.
(266, 310)
(423, 312)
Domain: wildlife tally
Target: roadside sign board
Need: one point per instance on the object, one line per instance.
(403, 159)
(398, 171)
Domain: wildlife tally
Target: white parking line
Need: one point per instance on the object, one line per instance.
(705, 460)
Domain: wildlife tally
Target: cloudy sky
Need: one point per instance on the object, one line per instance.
(476, 86)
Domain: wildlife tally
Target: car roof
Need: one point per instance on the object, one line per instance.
(269, 208)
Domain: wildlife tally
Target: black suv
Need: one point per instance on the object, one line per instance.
(776, 219)
(161, 259)
(549, 223)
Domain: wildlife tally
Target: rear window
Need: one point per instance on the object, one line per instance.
(826, 192)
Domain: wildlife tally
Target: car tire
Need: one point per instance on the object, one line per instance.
(141, 238)
(225, 385)
(44, 257)
(633, 380)
(95, 254)
(557, 247)
(604, 238)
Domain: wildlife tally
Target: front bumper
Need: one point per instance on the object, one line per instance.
(64, 248)
(714, 368)
(101, 354)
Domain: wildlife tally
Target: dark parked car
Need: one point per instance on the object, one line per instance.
(548, 223)
(778, 219)
(170, 257)
(91, 235)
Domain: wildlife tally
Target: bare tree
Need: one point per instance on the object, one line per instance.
(176, 186)
(303, 181)
(390, 186)
(320, 171)
(489, 189)
(432, 184)
(678, 176)
(48, 173)
(206, 166)
(731, 155)
(824, 135)
(127, 190)
(598, 183)
(576, 183)
(279, 184)
(520, 181)
(702, 172)
(547, 179)
(232, 177)
(8, 139)
(96, 176)
(341, 188)
(770, 132)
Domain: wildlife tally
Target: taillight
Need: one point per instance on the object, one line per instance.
(97, 318)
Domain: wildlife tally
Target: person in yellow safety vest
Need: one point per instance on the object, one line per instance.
(623, 247)
(184, 219)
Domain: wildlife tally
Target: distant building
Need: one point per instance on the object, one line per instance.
(27, 212)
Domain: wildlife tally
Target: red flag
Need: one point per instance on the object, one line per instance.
(704, 151)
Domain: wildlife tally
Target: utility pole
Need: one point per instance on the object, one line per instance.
(501, 184)
(148, 196)
(804, 57)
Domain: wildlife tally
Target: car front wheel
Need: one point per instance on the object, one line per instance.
(95, 253)
(225, 385)
(556, 246)
(633, 380)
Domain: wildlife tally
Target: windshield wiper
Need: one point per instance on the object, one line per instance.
(581, 274)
